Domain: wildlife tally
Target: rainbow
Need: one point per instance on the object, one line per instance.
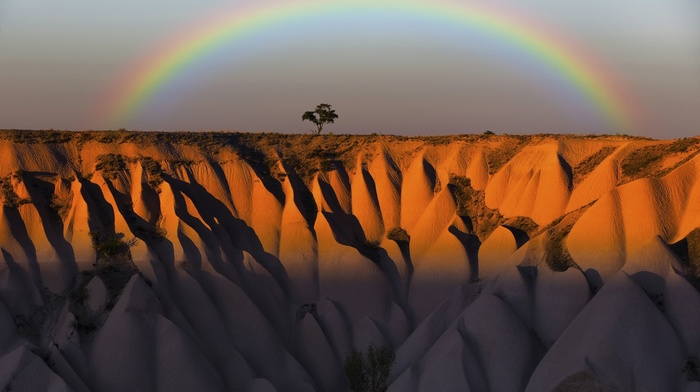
(164, 63)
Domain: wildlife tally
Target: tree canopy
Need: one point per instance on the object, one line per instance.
(323, 114)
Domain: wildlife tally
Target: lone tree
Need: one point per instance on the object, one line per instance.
(321, 116)
(369, 372)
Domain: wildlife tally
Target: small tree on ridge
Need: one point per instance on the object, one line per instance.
(321, 116)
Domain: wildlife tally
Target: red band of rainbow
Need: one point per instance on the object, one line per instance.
(163, 64)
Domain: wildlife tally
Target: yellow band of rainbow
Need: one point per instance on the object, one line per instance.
(162, 65)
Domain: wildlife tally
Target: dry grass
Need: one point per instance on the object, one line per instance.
(584, 168)
(398, 234)
(309, 154)
(111, 164)
(9, 196)
(523, 223)
(647, 161)
(693, 258)
(471, 204)
(556, 255)
(499, 156)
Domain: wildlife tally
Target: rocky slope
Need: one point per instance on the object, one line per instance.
(256, 262)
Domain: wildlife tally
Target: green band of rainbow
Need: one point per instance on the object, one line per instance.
(162, 66)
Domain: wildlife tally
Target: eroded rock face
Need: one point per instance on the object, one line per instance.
(257, 262)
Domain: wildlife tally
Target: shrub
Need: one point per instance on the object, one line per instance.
(110, 164)
(369, 372)
(557, 255)
(471, 204)
(369, 244)
(59, 206)
(589, 164)
(463, 192)
(501, 155)
(111, 246)
(691, 369)
(682, 145)
(693, 258)
(523, 223)
(86, 324)
(114, 265)
(150, 235)
(647, 160)
(639, 162)
(153, 171)
(398, 234)
(10, 198)
(79, 294)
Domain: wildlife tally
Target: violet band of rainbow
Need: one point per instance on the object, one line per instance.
(169, 59)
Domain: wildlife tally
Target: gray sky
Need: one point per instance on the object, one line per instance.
(59, 61)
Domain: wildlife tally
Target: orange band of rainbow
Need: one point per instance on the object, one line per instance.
(163, 64)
